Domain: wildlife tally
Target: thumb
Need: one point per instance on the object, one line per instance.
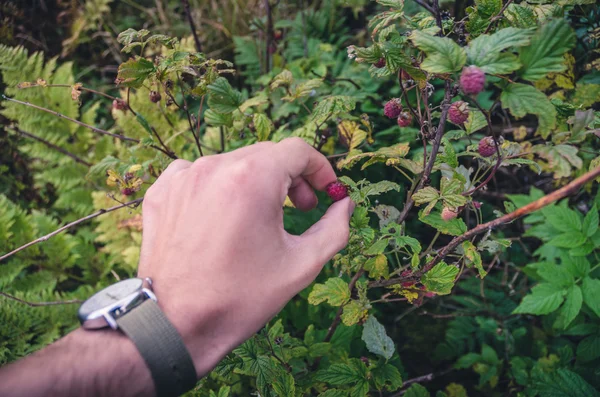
(324, 239)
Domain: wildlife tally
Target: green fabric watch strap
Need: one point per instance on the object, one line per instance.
(162, 348)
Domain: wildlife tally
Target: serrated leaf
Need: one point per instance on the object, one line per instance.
(443, 54)
(545, 53)
(520, 161)
(474, 257)
(341, 374)
(544, 299)
(563, 219)
(485, 51)
(564, 383)
(222, 97)
(334, 291)
(334, 393)
(570, 309)
(303, 89)
(352, 133)
(522, 99)
(568, 240)
(558, 275)
(135, 71)
(283, 384)
(591, 294)
(475, 122)
(353, 313)
(427, 195)
(589, 348)
(440, 279)
(453, 227)
(129, 35)
(590, 222)
(561, 159)
(377, 266)
(263, 126)
(331, 106)
(376, 338)
(218, 119)
(416, 390)
(283, 79)
(386, 376)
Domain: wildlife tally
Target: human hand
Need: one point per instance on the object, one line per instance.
(214, 245)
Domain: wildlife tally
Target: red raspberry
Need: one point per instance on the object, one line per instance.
(458, 112)
(405, 119)
(127, 191)
(120, 104)
(154, 96)
(392, 108)
(380, 63)
(337, 190)
(487, 146)
(472, 80)
(448, 214)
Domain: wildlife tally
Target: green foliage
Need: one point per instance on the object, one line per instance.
(515, 308)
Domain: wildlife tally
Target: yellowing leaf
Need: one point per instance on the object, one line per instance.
(335, 291)
(377, 266)
(353, 313)
(350, 132)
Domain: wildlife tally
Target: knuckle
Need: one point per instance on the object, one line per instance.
(295, 141)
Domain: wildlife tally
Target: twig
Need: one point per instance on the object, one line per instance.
(559, 194)
(425, 6)
(436, 146)
(53, 146)
(437, 15)
(421, 379)
(131, 204)
(497, 16)
(269, 41)
(186, 6)
(36, 304)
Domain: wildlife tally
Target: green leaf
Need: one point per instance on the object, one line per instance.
(319, 349)
(564, 383)
(578, 266)
(284, 385)
(218, 119)
(545, 53)
(570, 309)
(557, 275)
(486, 51)
(523, 99)
(386, 376)
(425, 195)
(453, 227)
(474, 257)
(222, 97)
(568, 240)
(590, 222)
(133, 72)
(468, 360)
(589, 348)
(334, 393)
(443, 54)
(263, 126)
(128, 36)
(353, 313)
(475, 122)
(330, 107)
(544, 299)
(378, 247)
(342, 374)
(413, 243)
(416, 390)
(563, 219)
(440, 279)
(376, 339)
(377, 267)
(335, 291)
(591, 294)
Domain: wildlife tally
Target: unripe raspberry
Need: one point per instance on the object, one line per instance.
(404, 119)
(380, 63)
(458, 112)
(472, 80)
(120, 104)
(448, 214)
(337, 190)
(392, 108)
(487, 146)
(154, 96)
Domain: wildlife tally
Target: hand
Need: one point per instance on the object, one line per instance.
(214, 245)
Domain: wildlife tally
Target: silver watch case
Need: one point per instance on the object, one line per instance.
(106, 306)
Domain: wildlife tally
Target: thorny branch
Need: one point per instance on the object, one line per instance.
(559, 194)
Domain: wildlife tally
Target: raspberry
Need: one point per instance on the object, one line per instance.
(380, 63)
(405, 119)
(487, 146)
(154, 96)
(337, 190)
(472, 80)
(278, 35)
(392, 108)
(458, 112)
(127, 191)
(120, 104)
(448, 214)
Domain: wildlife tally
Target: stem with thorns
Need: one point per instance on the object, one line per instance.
(129, 204)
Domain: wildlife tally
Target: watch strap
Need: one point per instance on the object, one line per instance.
(162, 348)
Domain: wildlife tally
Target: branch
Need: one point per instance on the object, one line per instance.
(497, 16)
(131, 204)
(421, 379)
(81, 123)
(425, 6)
(53, 146)
(269, 41)
(559, 194)
(434, 151)
(186, 6)
(36, 304)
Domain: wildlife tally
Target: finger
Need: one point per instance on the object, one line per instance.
(297, 158)
(173, 168)
(323, 240)
(302, 194)
(248, 150)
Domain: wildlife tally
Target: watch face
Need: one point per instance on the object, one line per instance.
(109, 296)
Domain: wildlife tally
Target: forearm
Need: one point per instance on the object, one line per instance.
(99, 363)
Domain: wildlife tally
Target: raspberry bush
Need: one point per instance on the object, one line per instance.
(465, 133)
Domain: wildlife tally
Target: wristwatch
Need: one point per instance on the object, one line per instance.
(130, 306)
